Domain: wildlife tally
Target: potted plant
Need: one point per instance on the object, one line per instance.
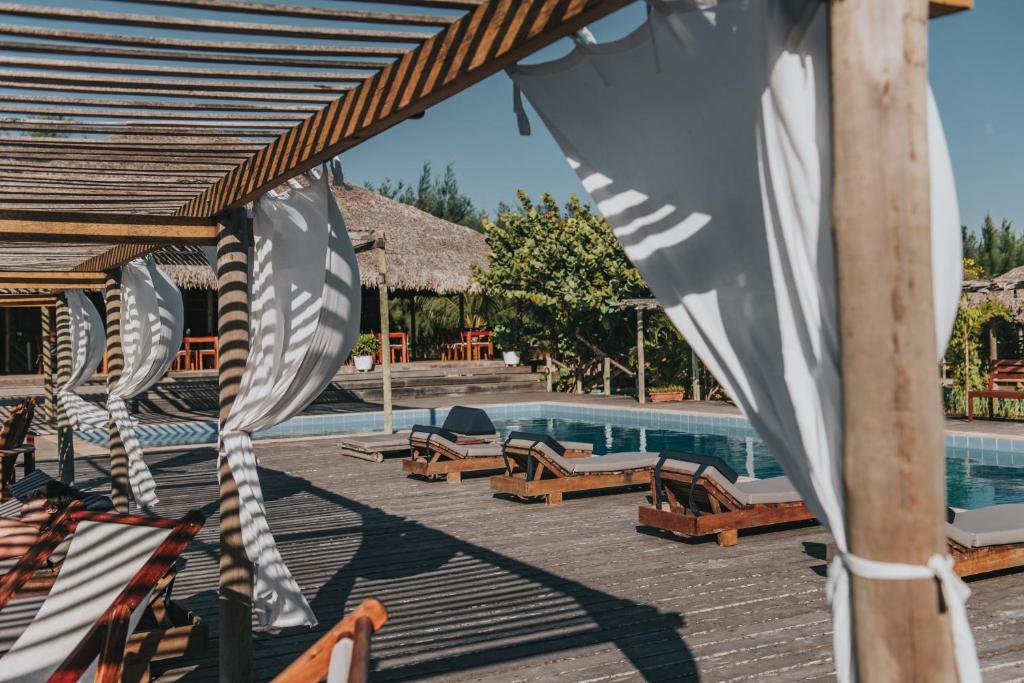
(506, 335)
(665, 393)
(363, 351)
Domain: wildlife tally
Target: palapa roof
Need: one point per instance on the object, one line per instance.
(1007, 288)
(424, 253)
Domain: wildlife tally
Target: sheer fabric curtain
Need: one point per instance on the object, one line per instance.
(152, 323)
(704, 138)
(87, 345)
(305, 305)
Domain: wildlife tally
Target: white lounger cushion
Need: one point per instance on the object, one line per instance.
(746, 491)
(988, 526)
(102, 560)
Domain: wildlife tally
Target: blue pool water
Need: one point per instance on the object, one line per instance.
(981, 470)
(970, 482)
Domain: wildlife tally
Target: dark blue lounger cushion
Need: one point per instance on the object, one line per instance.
(468, 421)
(548, 441)
(709, 460)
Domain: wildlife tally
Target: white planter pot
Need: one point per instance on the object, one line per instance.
(511, 357)
(363, 363)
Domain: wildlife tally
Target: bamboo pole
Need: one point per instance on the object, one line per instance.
(385, 329)
(891, 414)
(695, 371)
(115, 366)
(606, 375)
(46, 329)
(641, 374)
(65, 432)
(547, 371)
(7, 341)
(236, 573)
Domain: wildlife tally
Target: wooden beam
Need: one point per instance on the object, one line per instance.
(26, 301)
(317, 13)
(193, 24)
(115, 257)
(940, 8)
(119, 487)
(493, 36)
(892, 420)
(65, 430)
(56, 280)
(236, 571)
(72, 85)
(49, 226)
(71, 78)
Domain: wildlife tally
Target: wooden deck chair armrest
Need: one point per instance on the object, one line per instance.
(138, 589)
(115, 638)
(39, 553)
(359, 625)
(17, 451)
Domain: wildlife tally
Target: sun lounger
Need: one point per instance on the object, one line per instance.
(342, 655)
(986, 539)
(699, 495)
(471, 425)
(17, 440)
(438, 453)
(115, 576)
(538, 465)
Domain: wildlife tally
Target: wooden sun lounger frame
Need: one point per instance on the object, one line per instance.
(122, 658)
(436, 461)
(20, 419)
(530, 473)
(719, 512)
(971, 561)
(360, 626)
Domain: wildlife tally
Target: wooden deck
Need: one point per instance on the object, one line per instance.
(485, 589)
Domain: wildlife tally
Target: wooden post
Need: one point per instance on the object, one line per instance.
(236, 576)
(606, 375)
(695, 371)
(993, 345)
(7, 341)
(65, 431)
(119, 488)
(641, 375)
(385, 329)
(46, 330)
(891, 414)
(547, 369)
(413, 342)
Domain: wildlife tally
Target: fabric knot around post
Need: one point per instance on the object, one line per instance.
(939, 567)
(305, 304)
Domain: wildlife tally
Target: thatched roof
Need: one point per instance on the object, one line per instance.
(1007, 288)
(424, 253)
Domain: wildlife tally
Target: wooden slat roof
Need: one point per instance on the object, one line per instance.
(195, 107)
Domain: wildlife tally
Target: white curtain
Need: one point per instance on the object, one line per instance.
(305, 299)
(87, 344)
(152, 322)
(704, 138)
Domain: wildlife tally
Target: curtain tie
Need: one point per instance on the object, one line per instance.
(939, 567)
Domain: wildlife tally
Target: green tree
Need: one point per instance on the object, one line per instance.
(439, 196)
(560, 272)
(996, 249)
(964, 356)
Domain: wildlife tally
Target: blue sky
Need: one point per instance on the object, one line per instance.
(977, 74)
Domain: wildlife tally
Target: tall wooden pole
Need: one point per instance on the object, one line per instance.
(385, 328)
(236, 575)
(891, 402)
(606, 375)
(65, 431)
(46, 330)
(641, 375)
(115, 366)
(7, 342)
(695, 371)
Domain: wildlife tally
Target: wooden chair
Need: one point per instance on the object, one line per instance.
(986, 539)
(699, 495)
(117, 574)
(1004, 371)
(537, 465)
(346, 646)
(16, 439)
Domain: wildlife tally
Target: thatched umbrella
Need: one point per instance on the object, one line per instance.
(425, 253)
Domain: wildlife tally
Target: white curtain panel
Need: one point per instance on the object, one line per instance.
(152, 323)
(87, 345)
(305, 298)
(704, 139)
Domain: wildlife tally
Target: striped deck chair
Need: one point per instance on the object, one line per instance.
(17, 440)
(699, 495)
(115, 571)
(537, 465)
(342, 655)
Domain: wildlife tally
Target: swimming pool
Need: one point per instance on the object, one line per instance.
(979, 470)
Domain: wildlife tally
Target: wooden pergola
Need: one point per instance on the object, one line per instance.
(164, 135)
